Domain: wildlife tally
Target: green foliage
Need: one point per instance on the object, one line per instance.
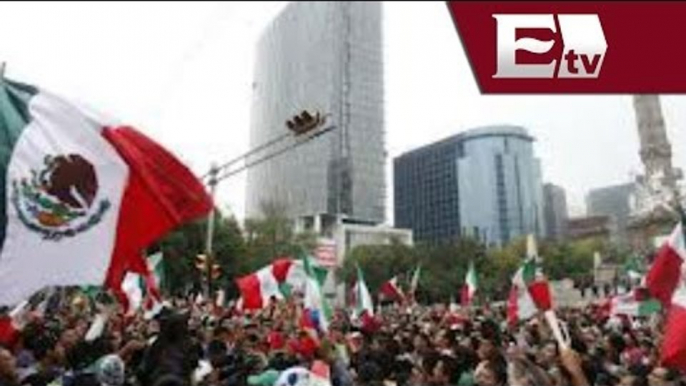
(182, 246)
(240, 252)
(443, 267)
(237, 252)
(570, 260)
(379, 263)
(272, 236)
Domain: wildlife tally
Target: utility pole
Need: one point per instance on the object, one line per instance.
(210, 231)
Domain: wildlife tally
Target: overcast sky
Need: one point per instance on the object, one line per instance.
(181, 72)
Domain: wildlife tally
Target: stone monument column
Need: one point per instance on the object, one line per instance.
(657, 193)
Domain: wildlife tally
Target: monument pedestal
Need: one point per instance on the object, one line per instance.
(644, 229)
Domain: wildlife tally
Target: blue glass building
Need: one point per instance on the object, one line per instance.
(483, 183)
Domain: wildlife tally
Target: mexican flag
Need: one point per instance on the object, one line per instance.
(363, 300)
(390, 290)
(530, 291)
(665, 281)
(635, 303)
(144, 290)
(414, 284)
(291, 274)
(156, 269)
(318, 313)
(258, 289)
(471, 283)
(277, 281)
(84, 196)
(133, 287)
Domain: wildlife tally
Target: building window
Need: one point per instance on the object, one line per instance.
(502, 198)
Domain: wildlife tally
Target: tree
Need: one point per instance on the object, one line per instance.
(272, 236)
(499, 267)
(379, 263)
(443, 266)
(181, 247)
(571, 259)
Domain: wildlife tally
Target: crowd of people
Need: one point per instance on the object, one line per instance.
(197, 343)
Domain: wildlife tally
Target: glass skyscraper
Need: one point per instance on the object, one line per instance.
(483, 183)
(326, 57)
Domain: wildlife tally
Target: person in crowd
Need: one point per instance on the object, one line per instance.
(173, 353)
(193, 343)
(8, 369)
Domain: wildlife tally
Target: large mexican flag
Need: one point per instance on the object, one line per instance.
(83, 196)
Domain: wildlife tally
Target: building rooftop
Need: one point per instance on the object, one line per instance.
(475, 133)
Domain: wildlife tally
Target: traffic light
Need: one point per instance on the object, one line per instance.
(216, 271)
(201, 265)
(304, 122)
(201, 262)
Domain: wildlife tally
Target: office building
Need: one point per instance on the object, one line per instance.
(555, 211)
(483, 183)
(322, 57)
(614, 202)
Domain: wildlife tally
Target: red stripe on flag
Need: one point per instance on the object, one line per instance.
(161, 194)
(512, 307)
(664, 276)
(464, 296)
(280, 269)
(250, 291)
(540, 293)
(390, 291)
(8, 333)
(673, 353)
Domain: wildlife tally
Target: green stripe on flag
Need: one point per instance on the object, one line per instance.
(286, 289)
(156, 263)
(529, 271)
(321, 304)
(14, 116)
(649, 307)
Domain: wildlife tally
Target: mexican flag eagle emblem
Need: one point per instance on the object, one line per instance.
(61, 198)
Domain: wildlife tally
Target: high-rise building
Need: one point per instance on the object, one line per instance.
(483, 183)
(613, 202)
(555, 211)
(325, 57)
